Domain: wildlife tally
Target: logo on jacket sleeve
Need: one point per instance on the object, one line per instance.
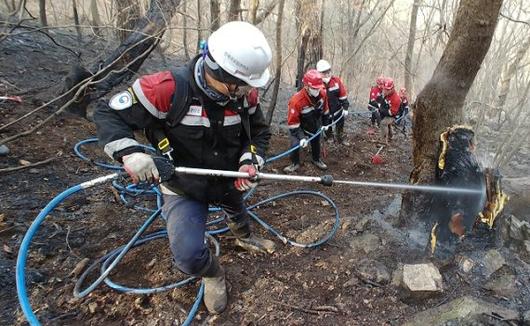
(121, 101)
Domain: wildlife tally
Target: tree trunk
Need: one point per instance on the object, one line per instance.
(199, 26)
(410, 46)
(42, 13)
(215, 15)
(278, 72)
(126, 59)
(310, 44)
(96, 19)
(127, 17)
(234, 9)
(508, 72)
(254, 5)
(76, 21)
(439, 104)
(266, 12)
(185, 30)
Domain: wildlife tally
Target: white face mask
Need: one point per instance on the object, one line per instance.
(313, 91)
(326, 79)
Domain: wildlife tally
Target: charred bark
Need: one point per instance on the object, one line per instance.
(439, 104)
(124, 61)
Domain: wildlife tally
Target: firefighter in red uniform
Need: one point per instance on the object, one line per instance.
(337, 100)
(376, 100)
(208, 114)
(307, 110)
(388, 110)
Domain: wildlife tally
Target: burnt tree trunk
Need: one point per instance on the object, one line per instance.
(278, 71)
(439, 104)
(124, 61)
(310, 45)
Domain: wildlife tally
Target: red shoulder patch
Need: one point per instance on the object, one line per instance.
(156, 90)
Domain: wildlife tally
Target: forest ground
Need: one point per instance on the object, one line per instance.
(293, 286)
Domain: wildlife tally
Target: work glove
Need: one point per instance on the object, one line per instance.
(325, 128)
(140, 167)
(344, 113)
(304, 142)
(244, 184)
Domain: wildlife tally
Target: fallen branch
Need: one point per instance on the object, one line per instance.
(317, 311)
(17, 168)
(81, 87)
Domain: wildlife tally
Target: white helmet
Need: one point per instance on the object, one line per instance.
(323, 65)
(241, 49)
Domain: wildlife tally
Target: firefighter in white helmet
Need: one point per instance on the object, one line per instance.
(337, 100)
(203, 115)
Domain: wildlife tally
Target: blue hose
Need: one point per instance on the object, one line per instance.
(111, 259)
(23, 252)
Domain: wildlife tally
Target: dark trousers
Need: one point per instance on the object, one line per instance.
(186, 226)
(315, 149)
(376, 117)
(338, 128)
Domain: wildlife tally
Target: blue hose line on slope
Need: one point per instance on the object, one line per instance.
(118, 253)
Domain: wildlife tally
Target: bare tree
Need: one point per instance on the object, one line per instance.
(125, 60)
(310, 43)
(42, 13)
(127, 16)
(199, 25)
(185, 30)
(266, 12)
(508, 72)
(439, 104)
(94, 12)
(410, 46)
(234, 10)
(76, 21)
(254, 5)
(278, 72)
(215, 15)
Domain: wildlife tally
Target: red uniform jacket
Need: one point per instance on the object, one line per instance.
(394, 101)
(305, 113)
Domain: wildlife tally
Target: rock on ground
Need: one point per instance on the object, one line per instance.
(373, 270)
(418, 281)
(462, 309)
(493, 261)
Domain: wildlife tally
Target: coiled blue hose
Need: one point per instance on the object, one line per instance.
(110, 260)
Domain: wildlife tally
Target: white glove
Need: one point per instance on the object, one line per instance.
(140, 167)
(326, 127)
(345, 113)
(304, 142)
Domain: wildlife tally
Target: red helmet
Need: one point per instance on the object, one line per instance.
(388, 84)
(403, 92)
(313, 78)
(379, 81)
